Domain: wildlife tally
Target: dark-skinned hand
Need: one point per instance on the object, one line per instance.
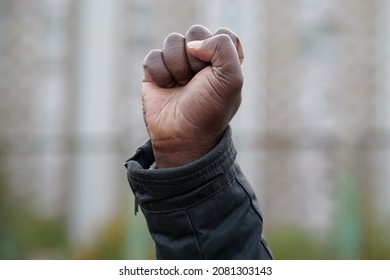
(190, 91)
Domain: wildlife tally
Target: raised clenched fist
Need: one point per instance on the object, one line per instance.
(191, 89)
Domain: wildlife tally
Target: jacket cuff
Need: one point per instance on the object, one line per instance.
(178, 188)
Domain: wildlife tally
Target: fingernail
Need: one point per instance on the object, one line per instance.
(194, 44)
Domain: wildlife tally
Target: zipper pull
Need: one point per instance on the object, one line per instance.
(135, 206)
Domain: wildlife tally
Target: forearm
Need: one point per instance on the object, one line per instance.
(203, 210)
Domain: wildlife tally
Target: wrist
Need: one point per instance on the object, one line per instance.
(178, 152)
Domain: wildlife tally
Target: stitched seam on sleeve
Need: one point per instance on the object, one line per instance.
(250, 200)
(196, 235)
(193, 204)
(265, 247)
(204, 171)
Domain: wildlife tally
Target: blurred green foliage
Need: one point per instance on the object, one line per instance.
(109, 245)
(376, 242)
(292, 243)
(7, 242)
(22, 234)
(123, 238)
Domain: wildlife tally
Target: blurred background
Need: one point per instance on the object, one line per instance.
(312, 131)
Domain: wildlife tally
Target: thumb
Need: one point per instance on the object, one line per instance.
(225, 57)
(210, 49)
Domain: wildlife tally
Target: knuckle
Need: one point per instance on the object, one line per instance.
(224, 38)
(220, 42)
(226, 31)
(155, 70)
(173, 38)
(198, 32)
(151, 59)
(173, 44)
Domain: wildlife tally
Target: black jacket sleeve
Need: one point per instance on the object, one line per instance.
(203, 210)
